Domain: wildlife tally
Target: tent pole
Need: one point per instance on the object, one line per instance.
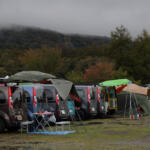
(125, 106)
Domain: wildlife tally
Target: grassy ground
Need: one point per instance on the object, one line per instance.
(97, 134)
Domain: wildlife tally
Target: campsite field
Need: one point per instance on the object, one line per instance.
(106, 134)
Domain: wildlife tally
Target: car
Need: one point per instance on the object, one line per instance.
(88, 106)
(11, 107)
(112, 99)
(102, 102)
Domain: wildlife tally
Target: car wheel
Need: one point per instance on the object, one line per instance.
(2, 125)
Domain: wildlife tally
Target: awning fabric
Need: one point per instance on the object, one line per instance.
(136, 89)
(115, 82)
(30, 76)
(64, 87)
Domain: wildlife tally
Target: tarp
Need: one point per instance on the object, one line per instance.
(136, 89)
(30, 76)
(64, 87)
(115, 82)
(52, 132)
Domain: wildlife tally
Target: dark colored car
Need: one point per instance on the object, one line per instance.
(88, 101)
(11, 107)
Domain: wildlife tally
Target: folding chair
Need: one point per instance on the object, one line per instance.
(25, 125)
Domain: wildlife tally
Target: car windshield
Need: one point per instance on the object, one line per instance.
(92, 95)
(81, 93)
(17, 93)
(102, 94)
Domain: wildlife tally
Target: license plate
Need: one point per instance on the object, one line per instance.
(63, 112)
(19, 117)
(93, 109)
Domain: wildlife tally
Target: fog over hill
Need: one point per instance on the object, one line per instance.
(31, 37)
(93, 17)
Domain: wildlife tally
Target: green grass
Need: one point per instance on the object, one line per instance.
(105, 134)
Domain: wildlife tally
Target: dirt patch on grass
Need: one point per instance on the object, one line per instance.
(142, 142)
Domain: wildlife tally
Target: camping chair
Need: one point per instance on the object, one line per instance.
(26, 125)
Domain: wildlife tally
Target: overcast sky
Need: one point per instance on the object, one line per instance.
(94, 17)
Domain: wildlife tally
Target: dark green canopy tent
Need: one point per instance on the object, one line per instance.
(63, 86)
(124, 99)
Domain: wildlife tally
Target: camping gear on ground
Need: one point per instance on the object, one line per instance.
(42, 120)
(11, 107)
(52, 132)
(88, 101)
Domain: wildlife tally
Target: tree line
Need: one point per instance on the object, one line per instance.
(121, 57)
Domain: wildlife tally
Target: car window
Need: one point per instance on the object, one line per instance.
(102, 94)
(81, 93)
(2, 98)
(112, 93)
(48, 95)
(92, 94)
(27, 97)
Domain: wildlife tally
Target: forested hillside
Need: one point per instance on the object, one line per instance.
(77, 58)
(27, 37)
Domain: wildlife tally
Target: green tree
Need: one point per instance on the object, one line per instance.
(76, 77)
(44, 59)
(140, 58)
(120, 46)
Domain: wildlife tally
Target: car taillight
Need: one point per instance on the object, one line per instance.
(12, 118)
(88, 95)
(57, 99)
(10, 102)
(34, 98)
(89, 109)
(58, 112)
(98, 94)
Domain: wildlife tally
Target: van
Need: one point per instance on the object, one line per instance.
(11, 107)
(102, 102)
(48, 99)
(88, 101)
(112, 99)
(31, 101)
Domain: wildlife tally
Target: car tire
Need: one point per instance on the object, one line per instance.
(2, 125)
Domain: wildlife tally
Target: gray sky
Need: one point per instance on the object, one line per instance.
(95, 17)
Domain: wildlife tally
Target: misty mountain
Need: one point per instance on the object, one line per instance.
(29, 37)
